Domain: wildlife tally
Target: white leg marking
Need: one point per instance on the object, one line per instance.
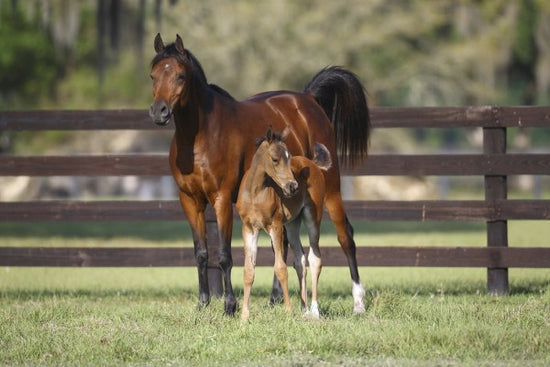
(358, 298)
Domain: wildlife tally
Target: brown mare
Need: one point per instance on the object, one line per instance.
(213, 145)
(280, 190)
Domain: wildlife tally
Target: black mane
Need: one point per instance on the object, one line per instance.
(190, 62)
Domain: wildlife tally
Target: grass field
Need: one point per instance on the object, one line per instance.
(149, 316)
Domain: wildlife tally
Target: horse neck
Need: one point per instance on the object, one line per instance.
(190, 119)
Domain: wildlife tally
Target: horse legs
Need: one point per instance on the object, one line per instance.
(224, 217)
(276, 234)
(313, 216)
(293, 232)
(335, 209)
(195, 217)
(250, 238)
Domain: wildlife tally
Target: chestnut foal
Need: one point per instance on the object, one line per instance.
(279, 190)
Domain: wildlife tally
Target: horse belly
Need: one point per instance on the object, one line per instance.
(292, 207)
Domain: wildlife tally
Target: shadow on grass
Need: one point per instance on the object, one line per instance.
(122, 294)
(447, 288)
(176, 231)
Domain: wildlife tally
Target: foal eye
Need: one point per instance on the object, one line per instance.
(275, 160)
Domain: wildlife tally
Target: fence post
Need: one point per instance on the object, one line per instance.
(494, 142)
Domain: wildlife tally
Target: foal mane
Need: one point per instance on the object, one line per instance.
(191, 62)
(274, 137)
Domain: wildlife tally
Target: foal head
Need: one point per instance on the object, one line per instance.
(174, 71)
(274, 158)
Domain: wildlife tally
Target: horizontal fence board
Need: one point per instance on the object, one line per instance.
(468, 116)
(86, 165)
(533, 257)
(398, 165)
(381, 117)
(77, 120)
(453, 165)
(170, 210)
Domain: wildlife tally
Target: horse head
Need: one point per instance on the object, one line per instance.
(170, 73)
(274, 158)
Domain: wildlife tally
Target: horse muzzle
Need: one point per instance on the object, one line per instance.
(160, 113)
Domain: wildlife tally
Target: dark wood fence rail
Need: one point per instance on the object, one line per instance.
(494, 164)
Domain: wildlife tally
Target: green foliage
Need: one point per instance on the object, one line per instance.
(524, 43)
(28, 63)
(420, 53)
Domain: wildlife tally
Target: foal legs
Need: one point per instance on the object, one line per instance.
(250, 237)
(276, 234)
(276, 290)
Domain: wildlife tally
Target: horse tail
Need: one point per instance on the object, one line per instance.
(342, 96)
(321, 156)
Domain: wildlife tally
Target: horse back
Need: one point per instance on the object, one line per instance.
(300, 111)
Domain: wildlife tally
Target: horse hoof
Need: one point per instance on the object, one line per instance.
(309, 315)
(358, 298)
(230, 307)
(203, 304)
(275, 299)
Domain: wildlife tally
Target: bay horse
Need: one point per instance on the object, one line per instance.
(213, 145)
(277, 192)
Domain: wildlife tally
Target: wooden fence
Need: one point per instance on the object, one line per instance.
(494, 164)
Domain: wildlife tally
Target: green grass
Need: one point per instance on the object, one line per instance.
(149, 316)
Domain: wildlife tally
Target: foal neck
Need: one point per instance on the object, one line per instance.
(256, 178)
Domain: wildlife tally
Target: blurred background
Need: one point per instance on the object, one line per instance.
(61, 54)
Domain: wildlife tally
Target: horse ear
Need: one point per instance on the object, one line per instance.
(159, 44)
(179, 45)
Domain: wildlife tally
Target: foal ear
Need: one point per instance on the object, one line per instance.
(285, 133)
(269, 134)
(179, 45)
(159, 44)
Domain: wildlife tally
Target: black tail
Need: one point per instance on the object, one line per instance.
(342, 96)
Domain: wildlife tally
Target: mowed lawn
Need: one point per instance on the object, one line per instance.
(149, 316)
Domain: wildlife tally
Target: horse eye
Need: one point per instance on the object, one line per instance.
(275, 160)
(181, 77)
